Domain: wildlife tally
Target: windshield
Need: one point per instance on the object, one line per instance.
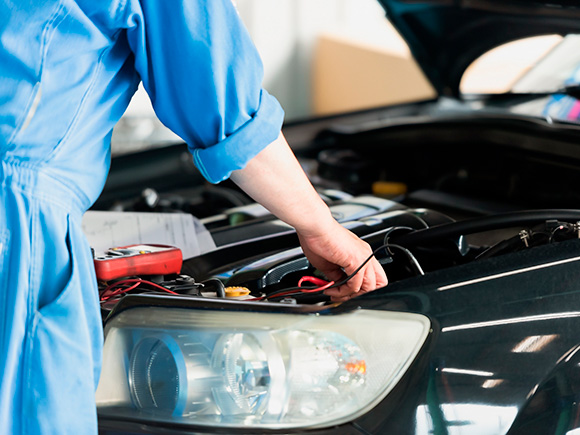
(558, 68)
(540, 64)
(547, 68)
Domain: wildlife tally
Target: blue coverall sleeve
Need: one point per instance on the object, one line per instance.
(204, 77)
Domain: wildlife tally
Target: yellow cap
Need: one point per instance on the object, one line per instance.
(389, 188)
(232, 292)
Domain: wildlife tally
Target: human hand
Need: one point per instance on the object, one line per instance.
(337, 253)
(275, 179)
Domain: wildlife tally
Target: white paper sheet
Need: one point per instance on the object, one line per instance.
(109, 229)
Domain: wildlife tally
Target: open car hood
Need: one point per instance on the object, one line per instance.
(446, 36)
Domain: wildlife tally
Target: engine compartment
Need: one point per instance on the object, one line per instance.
(425, 197)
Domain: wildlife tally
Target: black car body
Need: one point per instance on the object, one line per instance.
(482, 253)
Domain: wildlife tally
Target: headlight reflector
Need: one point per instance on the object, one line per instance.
(253, 374)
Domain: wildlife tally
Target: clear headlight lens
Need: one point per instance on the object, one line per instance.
(258, 370)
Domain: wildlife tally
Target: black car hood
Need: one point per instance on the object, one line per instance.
(446, 36)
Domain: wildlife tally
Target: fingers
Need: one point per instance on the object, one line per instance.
(338, 253)
(369, 281)
(369, 278)
(333, 273)
(380, 275)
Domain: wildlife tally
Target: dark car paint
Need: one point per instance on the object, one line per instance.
(491, 307)
(531, 293)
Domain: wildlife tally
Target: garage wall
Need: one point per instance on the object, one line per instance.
(286, 32)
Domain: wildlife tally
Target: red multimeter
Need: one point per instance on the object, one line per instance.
(138, 260)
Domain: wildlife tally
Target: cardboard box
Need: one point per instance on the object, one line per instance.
(350, 76)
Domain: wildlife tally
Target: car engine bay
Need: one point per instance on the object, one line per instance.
(425, 197)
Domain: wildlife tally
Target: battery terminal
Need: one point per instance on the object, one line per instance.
(577, 228)
(525, 237)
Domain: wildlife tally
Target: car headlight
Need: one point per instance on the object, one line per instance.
(253, 370)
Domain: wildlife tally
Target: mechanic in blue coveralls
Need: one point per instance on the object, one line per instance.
(68, 69)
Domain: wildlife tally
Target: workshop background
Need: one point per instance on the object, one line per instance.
(323, 57)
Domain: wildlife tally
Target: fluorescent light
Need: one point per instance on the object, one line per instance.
(492, 383)
(534, 343)
(512, 272)
(524, 319)
(466, 372)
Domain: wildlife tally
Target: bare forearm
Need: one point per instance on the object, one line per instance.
(275, 179)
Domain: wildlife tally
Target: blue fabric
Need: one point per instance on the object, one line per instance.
(67, 72)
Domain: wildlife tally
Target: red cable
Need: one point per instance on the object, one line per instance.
(313, 280)
(118, 292)
(136, 282)
(322, 284)
(318, 289)
(152, 284)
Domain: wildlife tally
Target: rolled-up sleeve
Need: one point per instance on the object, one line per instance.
(204, 77)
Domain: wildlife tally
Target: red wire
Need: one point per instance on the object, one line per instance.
(118, 292)
(150, 283)
(322, 284)
(313, 280)
(318, 289)
(136, 282)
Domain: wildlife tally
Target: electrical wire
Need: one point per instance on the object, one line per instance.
(420, 219)
(486, 223)
(293, 291)
(561, 226)
(408, 253)
(105, 297)
(534, 237)
(217, 285)
(410, 256)
(322, 284)
(390, 231)
(124, 286)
